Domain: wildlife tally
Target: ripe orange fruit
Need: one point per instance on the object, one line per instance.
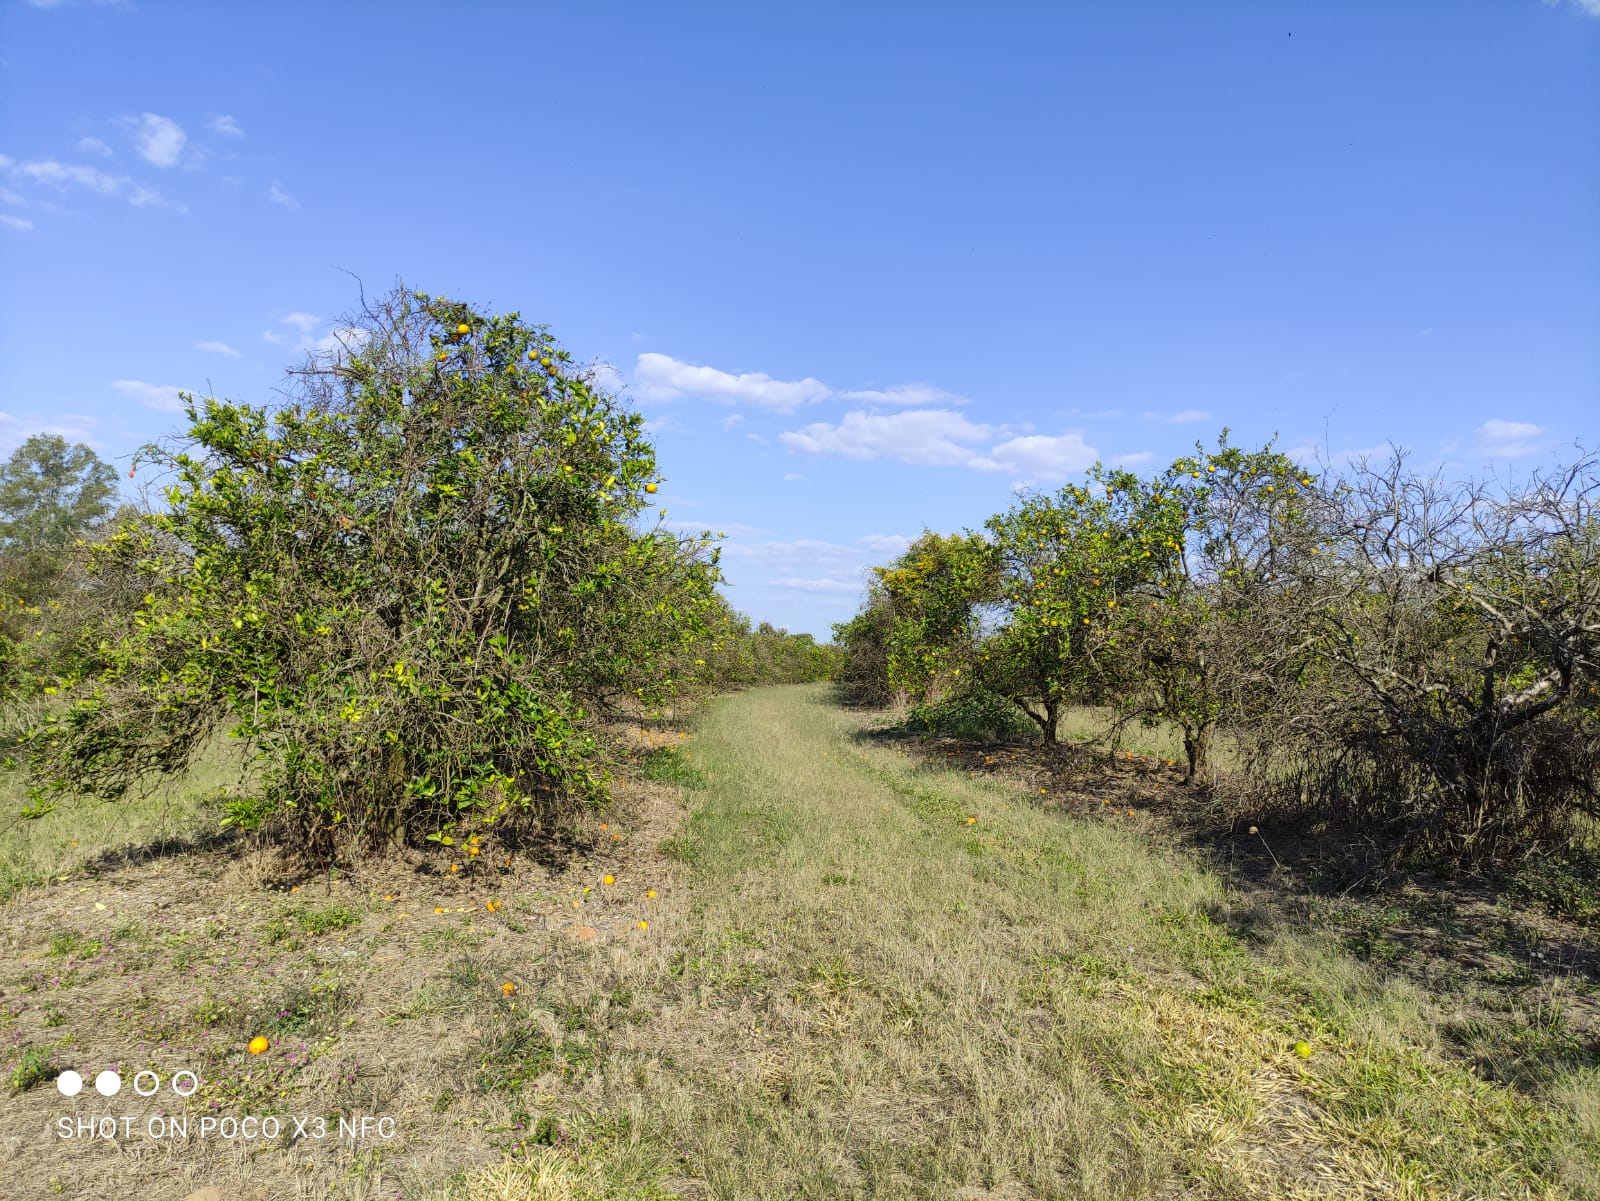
(649, 487)
(463, 328)
(258, 1045)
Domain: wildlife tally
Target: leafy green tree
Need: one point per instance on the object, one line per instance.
(1068, 561)
(50, 494)
(1204, 632)
(412, 591)
(935, 593)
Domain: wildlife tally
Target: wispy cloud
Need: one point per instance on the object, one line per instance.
(921, 436)
(218, 348)
(67, 175)
(793, 475)
(338, 339)
(225, 126)
(798, 549)
(605, 377)
(886, 544)
(95, 146)
(20, 224)
(941, 438)
(834, 585)
(1591, 7)
(661, 377)
(1136, 459)
(278, 196)
(1509, 439)
(15, 430)
(732, 421)
(1186, 417)
(162, 397)
(922, 395)
(159, 140)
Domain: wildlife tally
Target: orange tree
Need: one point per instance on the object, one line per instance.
(1201, 636)
(1068, 561)
(934, 592)
(410, 591)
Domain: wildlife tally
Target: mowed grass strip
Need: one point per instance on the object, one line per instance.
(870, 995)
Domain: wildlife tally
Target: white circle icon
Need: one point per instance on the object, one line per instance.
(69, 1083)
(108, 1084)
(155, 1083)
(194, 1083)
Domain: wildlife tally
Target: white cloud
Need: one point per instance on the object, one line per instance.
(277, 195)
(661, 377)
(1095, 414)
(95, 146)
(732, 421)
(163, 397)
(226, 126)
(793, 475)
(1187, 417)
(886, 544)
(338, 340)
(799, 549)
(1132, 460)
(1040, 455)
(7, 196)
(218, 348)
(1591, 7)
(61, 175)
(923, 436)
(17, 223)
(737, 529)
(159, 140)
(605, 377)
(827, 584)
(14, 430)
(1508, 439)
(906, 394)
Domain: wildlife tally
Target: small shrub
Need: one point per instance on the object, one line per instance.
(33, 1066)
(977, 716)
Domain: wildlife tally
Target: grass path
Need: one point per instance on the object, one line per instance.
(869, 994)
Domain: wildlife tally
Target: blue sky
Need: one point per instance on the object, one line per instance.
(866, 267)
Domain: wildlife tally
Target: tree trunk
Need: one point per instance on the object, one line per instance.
(1196, 744)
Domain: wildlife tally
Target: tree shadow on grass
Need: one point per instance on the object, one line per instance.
(1501, 960)
(164, 847)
